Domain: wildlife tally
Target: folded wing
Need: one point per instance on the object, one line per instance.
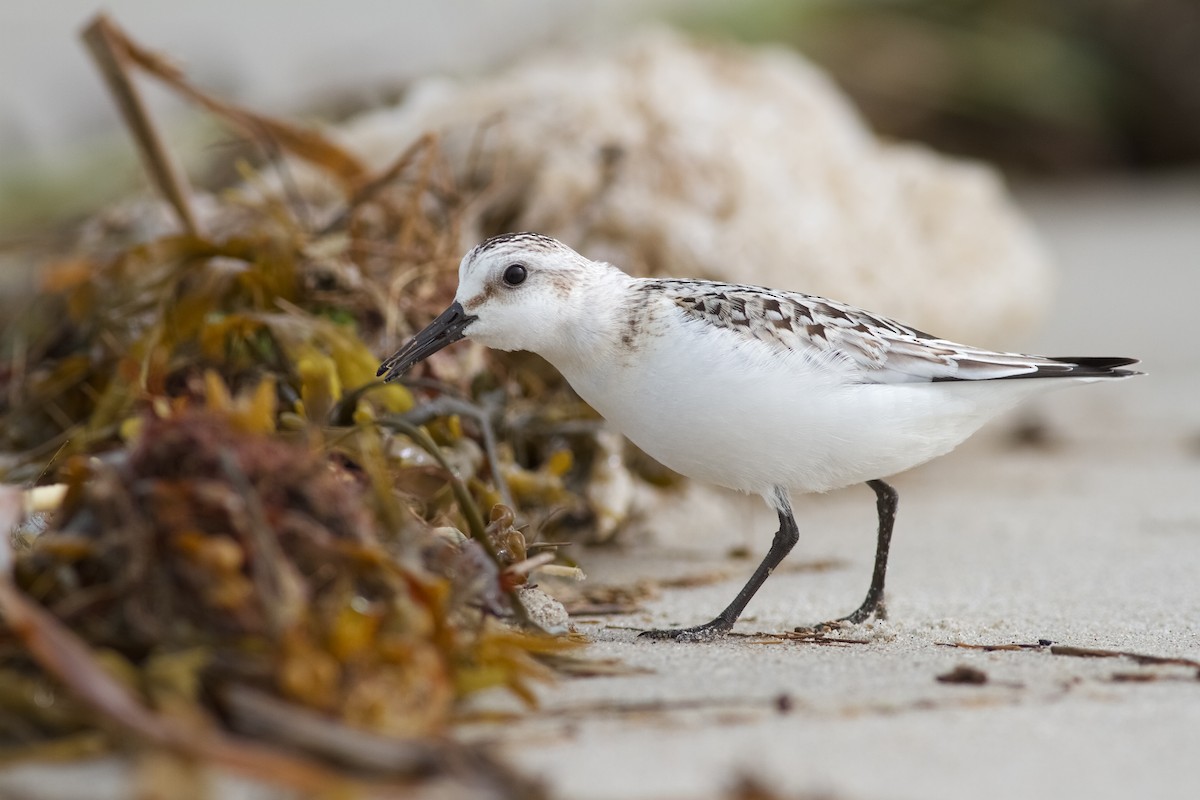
(872, 348)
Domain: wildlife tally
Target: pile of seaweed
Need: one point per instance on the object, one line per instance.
(258, 539)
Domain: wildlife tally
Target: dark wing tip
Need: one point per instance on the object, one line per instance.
(1097, 366)
(1051, 367)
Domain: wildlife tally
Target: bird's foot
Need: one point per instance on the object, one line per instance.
(868, 610)
(700, 633)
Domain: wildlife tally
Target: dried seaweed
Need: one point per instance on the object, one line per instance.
(1071, 651)
(258, 539)
(1054, 649)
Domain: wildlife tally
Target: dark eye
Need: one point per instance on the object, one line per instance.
(514, 274)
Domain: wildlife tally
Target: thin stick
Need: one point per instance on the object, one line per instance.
(307, 144)
(116, 53)
(465, 503)
(110, 57)
(482, 416)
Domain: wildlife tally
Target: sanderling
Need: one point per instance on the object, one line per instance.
(755, 389)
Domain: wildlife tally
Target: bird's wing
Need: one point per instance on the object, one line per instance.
(869, 347)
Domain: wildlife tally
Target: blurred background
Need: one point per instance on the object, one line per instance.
(1038, 88)
(1041, 89)
(65, 152)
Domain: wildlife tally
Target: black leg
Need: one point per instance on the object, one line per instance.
(785, 539)
(886, 501)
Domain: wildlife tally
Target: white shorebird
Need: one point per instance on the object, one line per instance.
(755, 389)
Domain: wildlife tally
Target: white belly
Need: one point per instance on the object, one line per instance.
(752, 423)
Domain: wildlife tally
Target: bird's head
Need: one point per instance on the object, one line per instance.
(518, 291)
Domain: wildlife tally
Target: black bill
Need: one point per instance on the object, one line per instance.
(445, 330)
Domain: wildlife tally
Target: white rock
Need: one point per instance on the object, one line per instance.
(670, 157)
(544, 611)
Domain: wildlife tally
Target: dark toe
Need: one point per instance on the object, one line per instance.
(700, 633)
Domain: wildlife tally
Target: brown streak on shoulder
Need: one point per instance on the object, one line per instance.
(638, 315)
(631, 329)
